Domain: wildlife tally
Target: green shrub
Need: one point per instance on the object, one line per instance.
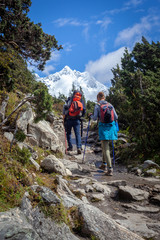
(20, 136)
(22, 155)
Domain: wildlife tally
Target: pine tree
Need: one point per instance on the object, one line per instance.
(20, 33)
(135, 93)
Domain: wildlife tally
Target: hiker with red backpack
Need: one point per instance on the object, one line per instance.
(107, 129)
(73, 110)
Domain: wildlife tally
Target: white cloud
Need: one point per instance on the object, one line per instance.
(61, 22)
(50, 65)
(48, 69)
(104, 23)
(55, 56)
(133, 34)
(101, 68)
(133, 3)
(86, 32)
(103, 45)
(126, 6)
(67, 47)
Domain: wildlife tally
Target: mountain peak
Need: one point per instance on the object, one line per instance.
(62, 82)
(66, 69)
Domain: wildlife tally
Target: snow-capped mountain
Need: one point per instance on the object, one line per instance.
(62, 82)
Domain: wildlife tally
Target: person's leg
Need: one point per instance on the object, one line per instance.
(107, 157)
(69, 128)
(76, 127)
(104, 163)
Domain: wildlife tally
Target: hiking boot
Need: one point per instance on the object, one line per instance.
(109, 172)
(69, 149)
(103, 166)
(78, 151)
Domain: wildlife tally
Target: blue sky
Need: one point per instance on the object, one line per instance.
(94, 33)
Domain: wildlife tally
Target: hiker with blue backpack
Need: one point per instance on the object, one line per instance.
(107, 129)
(73, 111)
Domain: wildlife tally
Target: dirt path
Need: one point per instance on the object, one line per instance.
(140, 220)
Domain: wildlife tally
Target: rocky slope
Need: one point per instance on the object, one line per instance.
(90, 204)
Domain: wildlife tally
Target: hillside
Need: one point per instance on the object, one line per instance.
(46, 194)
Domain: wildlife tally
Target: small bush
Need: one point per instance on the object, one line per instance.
(20, 136)
(22, 155)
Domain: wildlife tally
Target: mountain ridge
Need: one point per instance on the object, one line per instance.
(62, 82)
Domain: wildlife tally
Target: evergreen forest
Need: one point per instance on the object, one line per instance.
(135, 93)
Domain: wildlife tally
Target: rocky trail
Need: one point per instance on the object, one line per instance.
(132, 201)
(125, 206)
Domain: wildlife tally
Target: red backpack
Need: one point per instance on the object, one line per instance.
(106, 113)
(76, 107)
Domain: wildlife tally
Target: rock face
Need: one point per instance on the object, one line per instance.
(14, 225)
(30, 223)
(98, 224)
(25, 118)
(41, 134)
(44, 136)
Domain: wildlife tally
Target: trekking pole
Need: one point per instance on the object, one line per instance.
(65, 141)
(113, 154)
(86, 140)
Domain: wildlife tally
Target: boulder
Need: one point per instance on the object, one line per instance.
(74, 167)
(149, 164)
(25, 118)
(99, 187)
(132, 194)
(52, 164)
(47, 195)
(101, 226)
(44, 136)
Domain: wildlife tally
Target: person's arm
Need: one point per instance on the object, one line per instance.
(115, 114)
(95, 115)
